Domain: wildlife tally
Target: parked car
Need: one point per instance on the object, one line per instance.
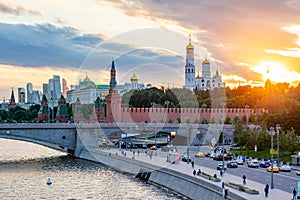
(185, 159)
(285, 168)
(298, 172)
(199, 154)
(253, 164)
(239, 161)
(232, 164)
(275, 169)
(264, 164)
(220, 166)
(153, 147)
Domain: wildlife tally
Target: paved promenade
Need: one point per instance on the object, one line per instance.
(183, 167)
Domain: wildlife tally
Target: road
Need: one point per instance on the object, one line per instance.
(285, 181)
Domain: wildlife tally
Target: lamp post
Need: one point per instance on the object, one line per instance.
(223, 105)
(188, 144)
(272, 132)
(204, 108)
(52, 110)
(277, 132)
(247, 109)
(167, 102)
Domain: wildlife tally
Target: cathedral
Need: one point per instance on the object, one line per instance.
(206, 81)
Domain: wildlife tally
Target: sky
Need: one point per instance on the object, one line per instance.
(75, 38)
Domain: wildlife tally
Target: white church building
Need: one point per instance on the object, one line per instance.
(205, 82)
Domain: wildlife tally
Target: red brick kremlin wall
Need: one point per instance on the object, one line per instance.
(184, 114)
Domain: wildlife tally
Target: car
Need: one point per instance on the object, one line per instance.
(275, 169)
(264, 164)
(199, 154)
(298, 172)
(220, 166)
(185, 159)
(239, 162)
(285, 168)
(207, 154)
(232, 164)
(253, 164)
(153, 147)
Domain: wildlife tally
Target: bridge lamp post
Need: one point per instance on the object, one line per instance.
(153, 104)
(167, 102)
(277, 132)
(52, 110)
(204, 106)
(272, 133)
(188, 144)
(223, 166)
(247, 109)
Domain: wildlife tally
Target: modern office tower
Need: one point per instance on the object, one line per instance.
(56, 86)
(65, 87)
(45, 89)
(21, 95)
(35, 97)
(29, 89)
(50, 88)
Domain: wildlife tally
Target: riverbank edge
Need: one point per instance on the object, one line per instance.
(182, 183)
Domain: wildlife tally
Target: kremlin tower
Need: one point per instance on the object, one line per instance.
(113, 99)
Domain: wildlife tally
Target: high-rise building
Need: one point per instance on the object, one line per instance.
(56, 86)
(45, 89)
(21, 95)
(65, 87)
(29, 89)
(50, 88)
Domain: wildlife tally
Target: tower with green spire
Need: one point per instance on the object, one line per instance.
(12, 102)
(62, 114)
(113, 99)
(44, 112)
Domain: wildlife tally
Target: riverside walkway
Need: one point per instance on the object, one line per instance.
(161, 160)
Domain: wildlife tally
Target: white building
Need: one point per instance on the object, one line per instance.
(204, 82)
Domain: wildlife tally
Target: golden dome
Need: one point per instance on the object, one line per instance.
(86, 79)
(205, 61)
(190, 46)
(134, 78)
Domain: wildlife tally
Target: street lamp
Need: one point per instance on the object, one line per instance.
(272, 132)
(52, 110)
(247, 109)
(277, 131)
(204, 108)
(223, 105)
(167, 102)
(152, 104)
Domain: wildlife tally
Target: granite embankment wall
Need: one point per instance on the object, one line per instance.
(186, 185)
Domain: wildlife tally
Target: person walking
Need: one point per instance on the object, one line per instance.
(193, 164)
(194, 172)
(266, 190)
(244, 179)
(294, 194)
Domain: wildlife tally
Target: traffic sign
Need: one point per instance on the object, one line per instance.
(274, 151)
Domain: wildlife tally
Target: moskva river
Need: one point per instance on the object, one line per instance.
(25, 169)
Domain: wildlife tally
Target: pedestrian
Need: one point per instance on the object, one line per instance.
(138, 152)
(199, 172)
(266, 190)
(294, 194)
(193, 164)
(221, 172)
(223, 189)
(244, 179)
(194, 172)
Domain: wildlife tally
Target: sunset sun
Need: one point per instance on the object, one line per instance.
(276, 72)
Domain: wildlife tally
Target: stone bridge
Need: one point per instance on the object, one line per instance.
(73, 138)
